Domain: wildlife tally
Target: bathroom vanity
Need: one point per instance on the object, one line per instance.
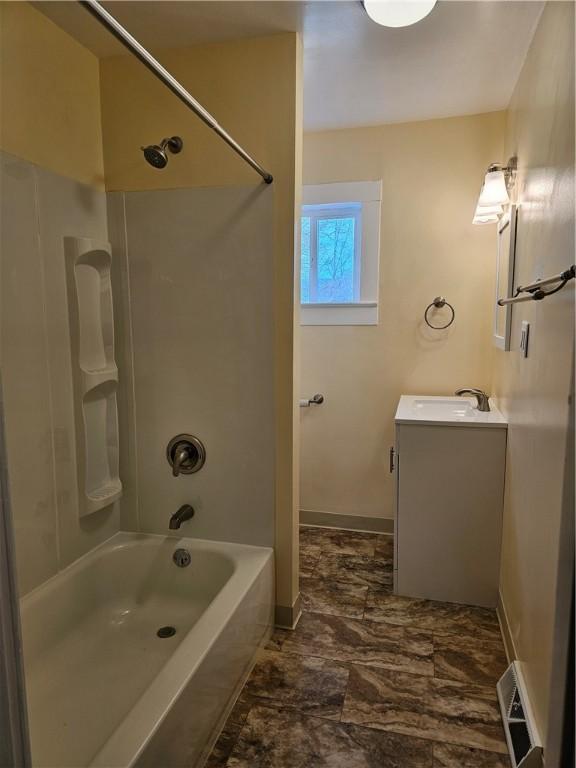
(449, 461)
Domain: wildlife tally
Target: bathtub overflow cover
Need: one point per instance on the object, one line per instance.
(182, 558)
(166, 632)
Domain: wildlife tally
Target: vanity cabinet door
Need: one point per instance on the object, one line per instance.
(449, 512)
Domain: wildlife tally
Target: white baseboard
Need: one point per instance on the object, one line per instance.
(287, 616)
(507, 636)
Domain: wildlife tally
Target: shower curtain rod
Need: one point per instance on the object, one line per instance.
(113, 26)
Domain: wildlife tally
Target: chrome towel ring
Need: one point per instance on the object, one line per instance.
(438, 303)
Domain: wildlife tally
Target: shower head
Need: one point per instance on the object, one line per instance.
(157, 154)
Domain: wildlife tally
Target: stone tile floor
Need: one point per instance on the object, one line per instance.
(368, 679)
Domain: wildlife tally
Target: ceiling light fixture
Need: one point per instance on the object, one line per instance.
(494, 194)
(398, 13)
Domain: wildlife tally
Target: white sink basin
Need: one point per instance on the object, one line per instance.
(456, 407)
(455, 411)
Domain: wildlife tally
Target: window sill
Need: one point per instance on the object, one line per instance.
(358, 313)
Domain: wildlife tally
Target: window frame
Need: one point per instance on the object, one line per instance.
(363, 200)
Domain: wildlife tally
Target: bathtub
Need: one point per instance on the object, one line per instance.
(103, 689)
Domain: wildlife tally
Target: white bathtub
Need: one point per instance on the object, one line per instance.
(103, 689)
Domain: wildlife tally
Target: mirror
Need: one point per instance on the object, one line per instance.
(505, 252)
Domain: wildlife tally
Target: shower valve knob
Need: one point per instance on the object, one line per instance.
(186, 454)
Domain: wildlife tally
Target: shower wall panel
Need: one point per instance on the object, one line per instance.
(25, 375)
(199, 278)
(39, 209)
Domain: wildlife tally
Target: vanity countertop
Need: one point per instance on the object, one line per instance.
(446, 411)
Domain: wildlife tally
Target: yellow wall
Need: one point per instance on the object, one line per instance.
(431, 173)
(252, 87)
(248, 85)
(49, 96)
(534, 392)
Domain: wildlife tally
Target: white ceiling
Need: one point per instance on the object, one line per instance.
(463, 58)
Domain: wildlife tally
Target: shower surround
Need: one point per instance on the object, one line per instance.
(195, 321)
(192, 276)
(39, 209)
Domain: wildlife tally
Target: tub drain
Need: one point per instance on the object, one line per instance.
(166, 632)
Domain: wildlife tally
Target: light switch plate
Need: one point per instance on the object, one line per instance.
(524, 337)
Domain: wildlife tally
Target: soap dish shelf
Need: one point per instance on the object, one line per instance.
(94, 372)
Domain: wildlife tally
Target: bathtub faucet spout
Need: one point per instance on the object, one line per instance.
(186, 512)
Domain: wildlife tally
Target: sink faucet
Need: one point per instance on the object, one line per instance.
(186, 512)
(481, 397)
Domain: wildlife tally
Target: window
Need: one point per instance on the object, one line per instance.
(339, 254)
(331, 245)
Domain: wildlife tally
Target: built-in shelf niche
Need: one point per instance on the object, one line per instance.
(94, 371)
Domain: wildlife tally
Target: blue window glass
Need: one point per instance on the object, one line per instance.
(330, 268)
(305, 261)
(335, 260)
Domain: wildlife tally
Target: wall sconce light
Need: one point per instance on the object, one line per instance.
(494, 194)
(487, 214)
(480, 217)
